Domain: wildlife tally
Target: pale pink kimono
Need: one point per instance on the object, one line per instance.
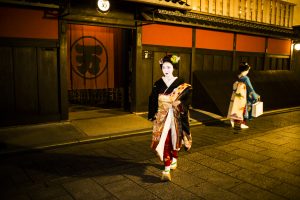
(238, 101)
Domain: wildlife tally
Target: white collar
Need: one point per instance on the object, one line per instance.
(168, 82)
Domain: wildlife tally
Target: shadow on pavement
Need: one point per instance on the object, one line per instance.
(201, 117)
(41, 167)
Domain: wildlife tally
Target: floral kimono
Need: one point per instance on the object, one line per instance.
(243, 96)
(168, 118)
(238, 101)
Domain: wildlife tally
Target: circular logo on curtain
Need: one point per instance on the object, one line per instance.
(88, 57)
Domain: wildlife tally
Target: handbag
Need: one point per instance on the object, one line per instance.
(257, 109)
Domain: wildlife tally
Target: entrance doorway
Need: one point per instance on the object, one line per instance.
(99, 67)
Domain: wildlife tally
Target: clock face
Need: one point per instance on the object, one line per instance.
(103, 5)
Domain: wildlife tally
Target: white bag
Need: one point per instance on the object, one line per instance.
(257, 109)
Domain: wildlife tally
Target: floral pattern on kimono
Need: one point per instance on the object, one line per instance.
(238, 101)
(168, 119)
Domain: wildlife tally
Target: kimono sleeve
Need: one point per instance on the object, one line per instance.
(252, 94)
(186, 97)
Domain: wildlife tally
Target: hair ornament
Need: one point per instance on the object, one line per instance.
(175, 59)
(161, 61)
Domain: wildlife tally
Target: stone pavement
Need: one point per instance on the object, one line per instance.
(85, 124)
(262, 162)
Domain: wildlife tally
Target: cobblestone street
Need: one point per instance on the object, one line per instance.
(262, 162)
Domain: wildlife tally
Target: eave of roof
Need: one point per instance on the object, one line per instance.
(217, 23)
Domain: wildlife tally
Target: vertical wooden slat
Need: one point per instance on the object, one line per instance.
(25, 69)
(184, 68)
(7, 100)
(226, 63)
(217, 64)
(199, 62)
(260, 63)
(48, 81)
(208, 62)
(273, 63)
(279, 63)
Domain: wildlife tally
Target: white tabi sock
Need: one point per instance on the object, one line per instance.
(167, 168)
(174, 160)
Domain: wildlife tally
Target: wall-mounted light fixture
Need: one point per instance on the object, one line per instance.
(147, 54)
(103, 5)
(297, 46)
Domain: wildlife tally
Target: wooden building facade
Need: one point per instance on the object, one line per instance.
(58, 53)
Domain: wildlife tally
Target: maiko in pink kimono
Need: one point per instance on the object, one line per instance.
(242, 98)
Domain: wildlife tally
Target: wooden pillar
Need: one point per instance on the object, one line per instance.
(137, 72)
(266, 59)
(295, 61)
(62, 64)
(234, 53)
(194, 63)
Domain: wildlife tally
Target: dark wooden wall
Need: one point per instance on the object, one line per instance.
(262, 62)
(217, 60)
(213, 73)
(213, 60)
(277, 88)
(28, 81)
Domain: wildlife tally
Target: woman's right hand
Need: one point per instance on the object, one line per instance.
(258, 98)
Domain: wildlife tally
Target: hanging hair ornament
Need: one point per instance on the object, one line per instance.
(175, 59)
(161, 61)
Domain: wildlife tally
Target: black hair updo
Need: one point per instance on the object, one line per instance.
(244, 66)
(173, 59)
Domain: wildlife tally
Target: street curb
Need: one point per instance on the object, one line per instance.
(87, 140)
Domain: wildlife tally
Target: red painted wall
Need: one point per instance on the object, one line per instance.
(279, 46)
(214, 40)
(250, 43)
(164, 35)
(27, 23)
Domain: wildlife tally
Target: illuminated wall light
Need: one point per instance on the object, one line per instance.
(297, 46)
(195, 8)
(103, 5)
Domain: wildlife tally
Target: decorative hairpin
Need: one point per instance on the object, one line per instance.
(161, 61)
(175, 59)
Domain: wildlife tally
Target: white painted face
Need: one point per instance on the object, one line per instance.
(167, 69)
